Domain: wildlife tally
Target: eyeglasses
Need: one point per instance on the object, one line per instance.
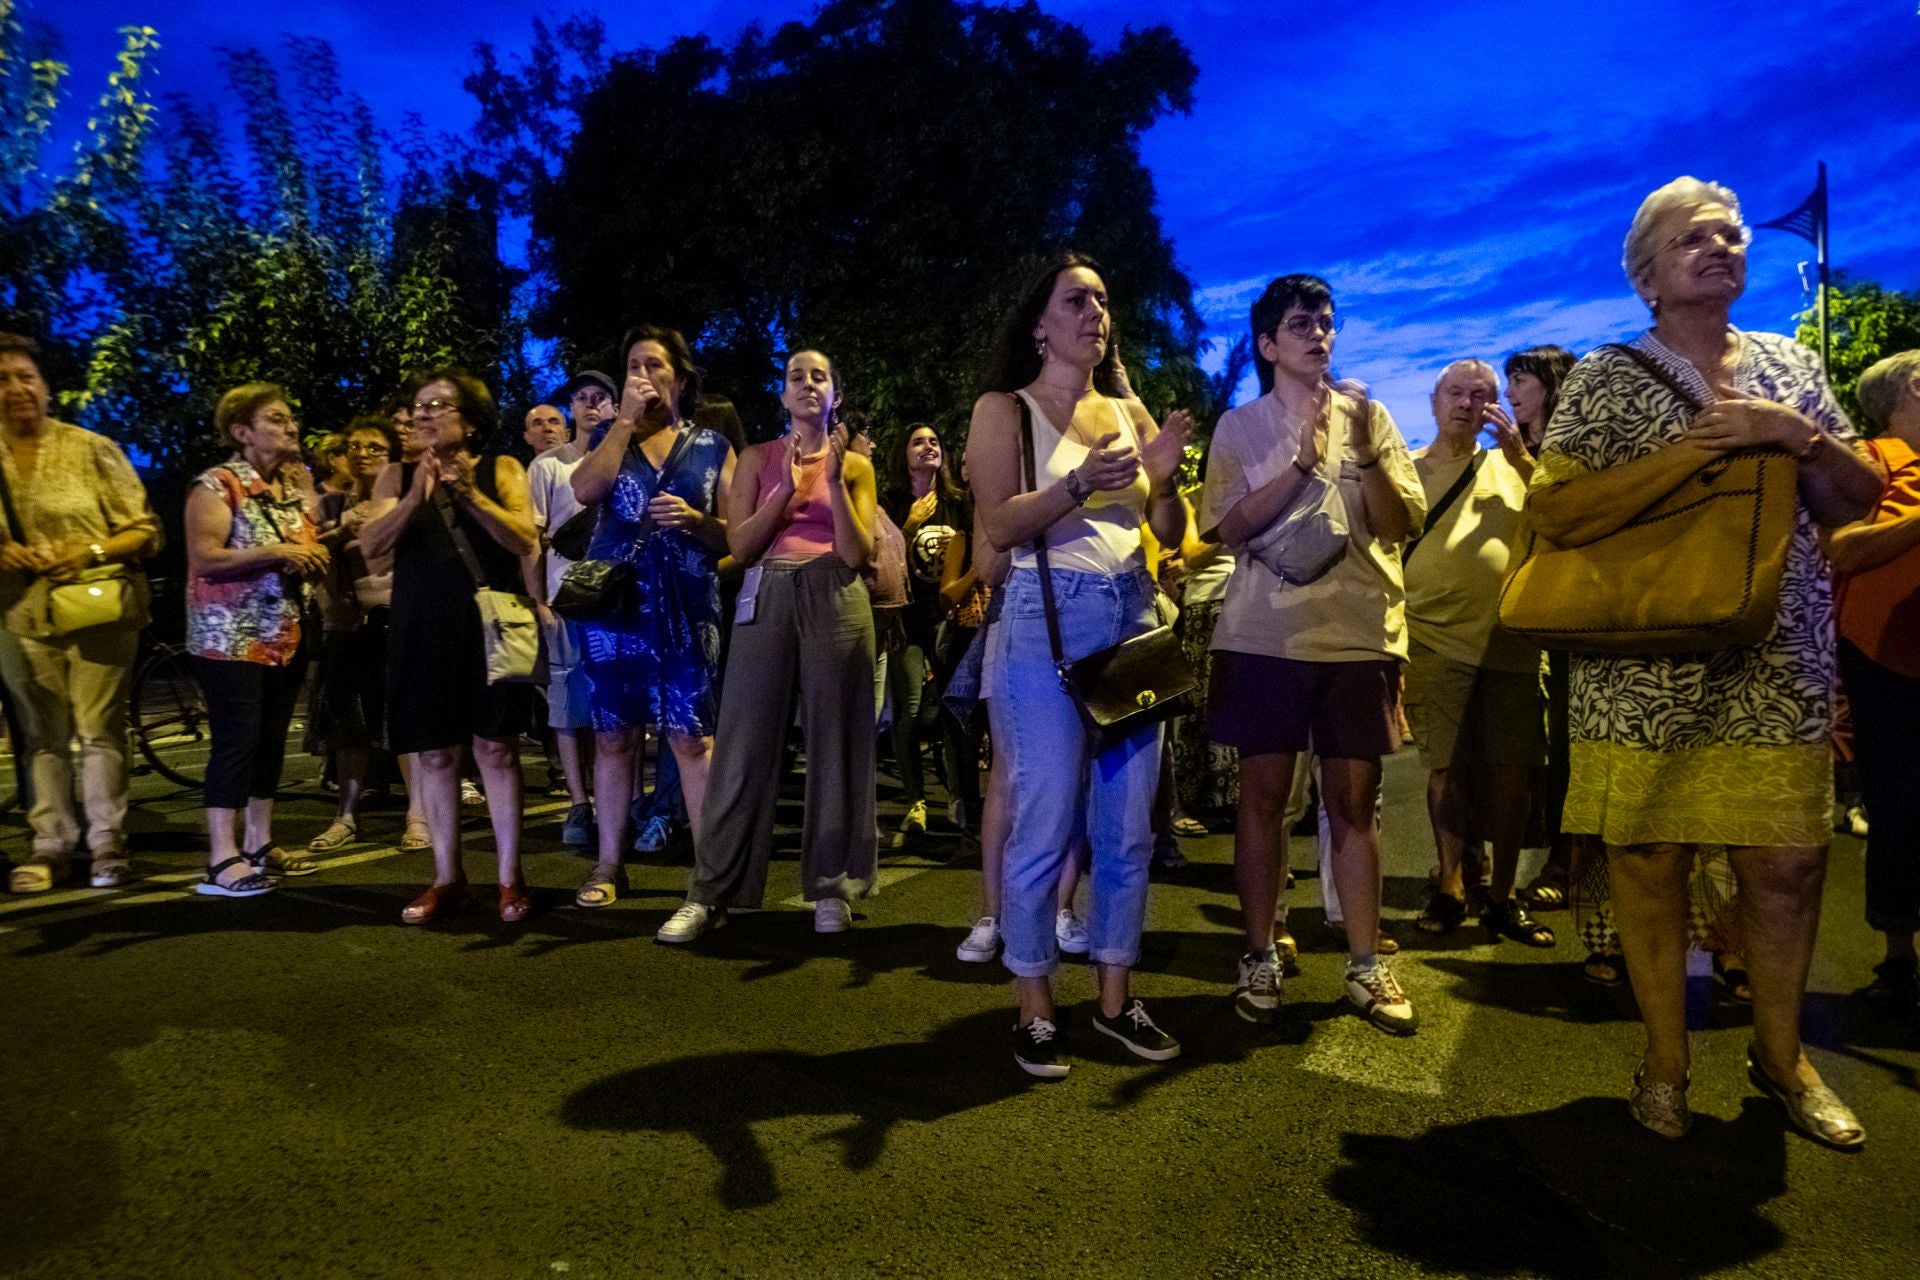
(1698, 238)
(433, 408)
(282, 420)
(1308, 326)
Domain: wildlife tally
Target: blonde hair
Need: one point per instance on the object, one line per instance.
(1637, 254)
(1882, 385)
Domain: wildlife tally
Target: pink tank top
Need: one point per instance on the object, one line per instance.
(808, 532)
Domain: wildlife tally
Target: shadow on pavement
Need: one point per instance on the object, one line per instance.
(1532, 987)
(1575, 1193)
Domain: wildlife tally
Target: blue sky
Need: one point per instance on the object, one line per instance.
(1462, 173)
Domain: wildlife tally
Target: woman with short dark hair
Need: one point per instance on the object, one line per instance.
(74, 508)
(438, 697)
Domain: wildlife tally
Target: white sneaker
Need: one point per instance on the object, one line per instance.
(982, 942)
(1376, 993)
(1256, 997)
(1071, 933)
(832, 915)
(690, 921)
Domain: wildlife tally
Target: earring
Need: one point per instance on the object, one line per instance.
(1040, 345)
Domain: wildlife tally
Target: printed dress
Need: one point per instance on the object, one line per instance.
(1723, 748)
(657, 665)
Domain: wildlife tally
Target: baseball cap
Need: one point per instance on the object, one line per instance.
(590, 378)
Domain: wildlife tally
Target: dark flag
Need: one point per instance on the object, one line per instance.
(1809, 222)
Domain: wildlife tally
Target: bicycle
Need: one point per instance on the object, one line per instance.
(168, 720)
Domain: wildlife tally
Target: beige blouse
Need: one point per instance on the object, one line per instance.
(81, 490)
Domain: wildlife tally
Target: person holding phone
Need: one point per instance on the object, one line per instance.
(1472, 688)
(801, 514)
(659, 481)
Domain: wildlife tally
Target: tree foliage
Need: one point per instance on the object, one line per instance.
(877, 182)
(164, 264)
(1865, 323)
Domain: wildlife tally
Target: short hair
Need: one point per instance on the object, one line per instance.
(383, 427)
(240, 404)
(1474, 363)
(18, 344)
(1637, 254)
(1881, 386)
(475, 403)
(1013, 361)
(1309, 293)
(716, 413)
(679, 355)
(1549, 364)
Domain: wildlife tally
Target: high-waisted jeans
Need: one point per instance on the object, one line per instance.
(1060, 782)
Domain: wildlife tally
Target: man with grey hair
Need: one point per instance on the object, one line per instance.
(1472, 689)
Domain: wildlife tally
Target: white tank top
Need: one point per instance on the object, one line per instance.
(1103, 535)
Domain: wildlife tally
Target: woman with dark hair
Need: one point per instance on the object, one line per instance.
(1102, 471)
(1533, 389)
(251, 553)
(350, 710)
(73, 504)
(659, 482)
(449, 509)
(717, 414)
(931, 511)
(800, 512)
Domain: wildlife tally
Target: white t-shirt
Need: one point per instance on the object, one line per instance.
(1356, 611)
(1453, 579)
(550, 486)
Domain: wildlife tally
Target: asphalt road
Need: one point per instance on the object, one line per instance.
(299, 1086)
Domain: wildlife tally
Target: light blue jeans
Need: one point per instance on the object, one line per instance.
(1060, 783)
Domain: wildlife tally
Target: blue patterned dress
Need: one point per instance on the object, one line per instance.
(656, 666)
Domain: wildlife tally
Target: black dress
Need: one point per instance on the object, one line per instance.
(437, 690)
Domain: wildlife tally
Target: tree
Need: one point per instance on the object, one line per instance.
(877, 182)
(1866, 323)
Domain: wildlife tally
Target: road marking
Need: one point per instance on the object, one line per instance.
(1354, 1050)
(92, 902)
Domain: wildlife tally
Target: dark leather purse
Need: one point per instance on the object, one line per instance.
(571, 540)
(1119, 690)
(594, 589)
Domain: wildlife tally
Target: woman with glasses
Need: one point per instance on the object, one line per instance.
(1677, 754)
(73, 506)
(658, 481)
(252, 555)
(800, 513)
(349, 712)
(438, 697)
(1314, 663)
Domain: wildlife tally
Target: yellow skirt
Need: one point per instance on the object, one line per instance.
(1768, 797)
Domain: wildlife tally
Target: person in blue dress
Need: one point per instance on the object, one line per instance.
(658, 481)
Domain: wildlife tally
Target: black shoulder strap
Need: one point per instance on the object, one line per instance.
(1651, 367)
(443, 504)
(14, 530)
(1461, 484)
(1032, 469)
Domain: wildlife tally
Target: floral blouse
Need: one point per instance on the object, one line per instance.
(255, 618)
(81, 490)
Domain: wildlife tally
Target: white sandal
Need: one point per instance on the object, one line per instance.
(339, 833)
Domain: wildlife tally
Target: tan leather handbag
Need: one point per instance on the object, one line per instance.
(1698, 570)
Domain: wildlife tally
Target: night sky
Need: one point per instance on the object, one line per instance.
(1462, 173)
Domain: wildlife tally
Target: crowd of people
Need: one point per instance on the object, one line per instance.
(652, 575)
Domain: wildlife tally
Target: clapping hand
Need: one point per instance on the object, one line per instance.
(1742, 422)
(1161, 455)
(669, 511)
(302, 560)
(1108, 467)
(1360, 427)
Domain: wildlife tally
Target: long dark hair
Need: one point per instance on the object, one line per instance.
(1014, 360)
(900, 476)
(1550, 364)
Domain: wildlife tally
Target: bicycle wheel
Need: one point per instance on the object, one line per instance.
(170, 722)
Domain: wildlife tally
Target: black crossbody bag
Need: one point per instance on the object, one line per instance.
(1119, 690)
(594, 589)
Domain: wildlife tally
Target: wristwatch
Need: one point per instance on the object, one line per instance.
(98, 552)
(1077, 489)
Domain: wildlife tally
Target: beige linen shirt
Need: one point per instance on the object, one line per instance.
(1453, 579)
(1356, 611)
(81, 490)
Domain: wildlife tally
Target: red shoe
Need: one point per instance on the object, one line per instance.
(515, 903)
(439, 900)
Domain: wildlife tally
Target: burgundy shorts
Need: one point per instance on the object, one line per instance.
(1338, 710)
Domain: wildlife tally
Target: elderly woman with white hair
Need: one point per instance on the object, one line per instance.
(1876, 592)
(1675, 755)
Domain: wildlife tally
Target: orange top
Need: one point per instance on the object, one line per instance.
(808, 531)
(1877, 610)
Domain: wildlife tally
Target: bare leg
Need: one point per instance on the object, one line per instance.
(259, 823)
(1071, 872)
(499, 763)
(1509, 793)
(614, 753)
(1350, 793)
(435, 789)
(996, 820)
(351, 764)
(220, 835)
(571, 746)
(1260, 842)
(1779, 916)
(415, 811)
(1650, 911)
(1036, 998)
(695, 757)
(1113, 988)
(1447, 811)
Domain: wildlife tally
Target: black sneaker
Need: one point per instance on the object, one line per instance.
(1040, 1049)
(1134, 1029)
(1896, 985)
